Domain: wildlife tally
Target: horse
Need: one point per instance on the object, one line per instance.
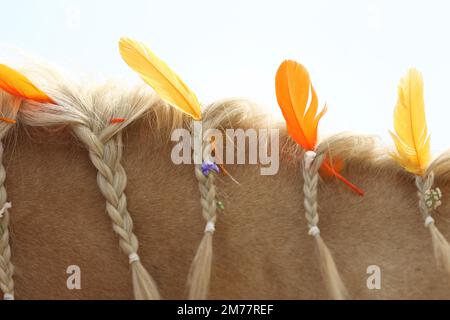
(55, 179)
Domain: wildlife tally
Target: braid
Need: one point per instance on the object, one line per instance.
(6, 267)
(9, 108)
(311, 179)
(311, 168)
(200, 272)
(441, 246)
(423, 185)
(111, 179)
(207, 189)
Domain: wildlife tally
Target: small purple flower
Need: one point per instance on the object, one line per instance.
(208, 166)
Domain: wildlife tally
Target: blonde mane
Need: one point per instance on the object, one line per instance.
(87, 110)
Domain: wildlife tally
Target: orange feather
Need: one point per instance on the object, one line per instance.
(293, 87)
(117, 120)
(16, 84)
(7, 120)
(294, 90)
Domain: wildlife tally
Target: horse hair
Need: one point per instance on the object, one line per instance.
(88, 111)
(9, 108)
(329, 270)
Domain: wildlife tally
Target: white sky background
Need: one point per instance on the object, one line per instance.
(356, 51)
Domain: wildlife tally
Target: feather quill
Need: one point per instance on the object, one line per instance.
(16, 84)
(411, 134)
(294, 90)
(160, 77)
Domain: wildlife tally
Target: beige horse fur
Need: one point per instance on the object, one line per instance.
(261, 245)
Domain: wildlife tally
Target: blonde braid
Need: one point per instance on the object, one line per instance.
(111, 179)
(200, 272)
(6, 267)
(441, 246)
(9, 109)
(423, 185)
(311, 179)
(333, 281)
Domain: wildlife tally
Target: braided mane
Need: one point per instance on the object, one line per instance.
(86, 111)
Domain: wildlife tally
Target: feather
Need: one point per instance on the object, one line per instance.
(16, 84)
(160, 77)
(293, 86)
(411, 134)
(294, 90)
(8, 120)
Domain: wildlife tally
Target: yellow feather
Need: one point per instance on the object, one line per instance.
(411, 134)
(160, 77)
